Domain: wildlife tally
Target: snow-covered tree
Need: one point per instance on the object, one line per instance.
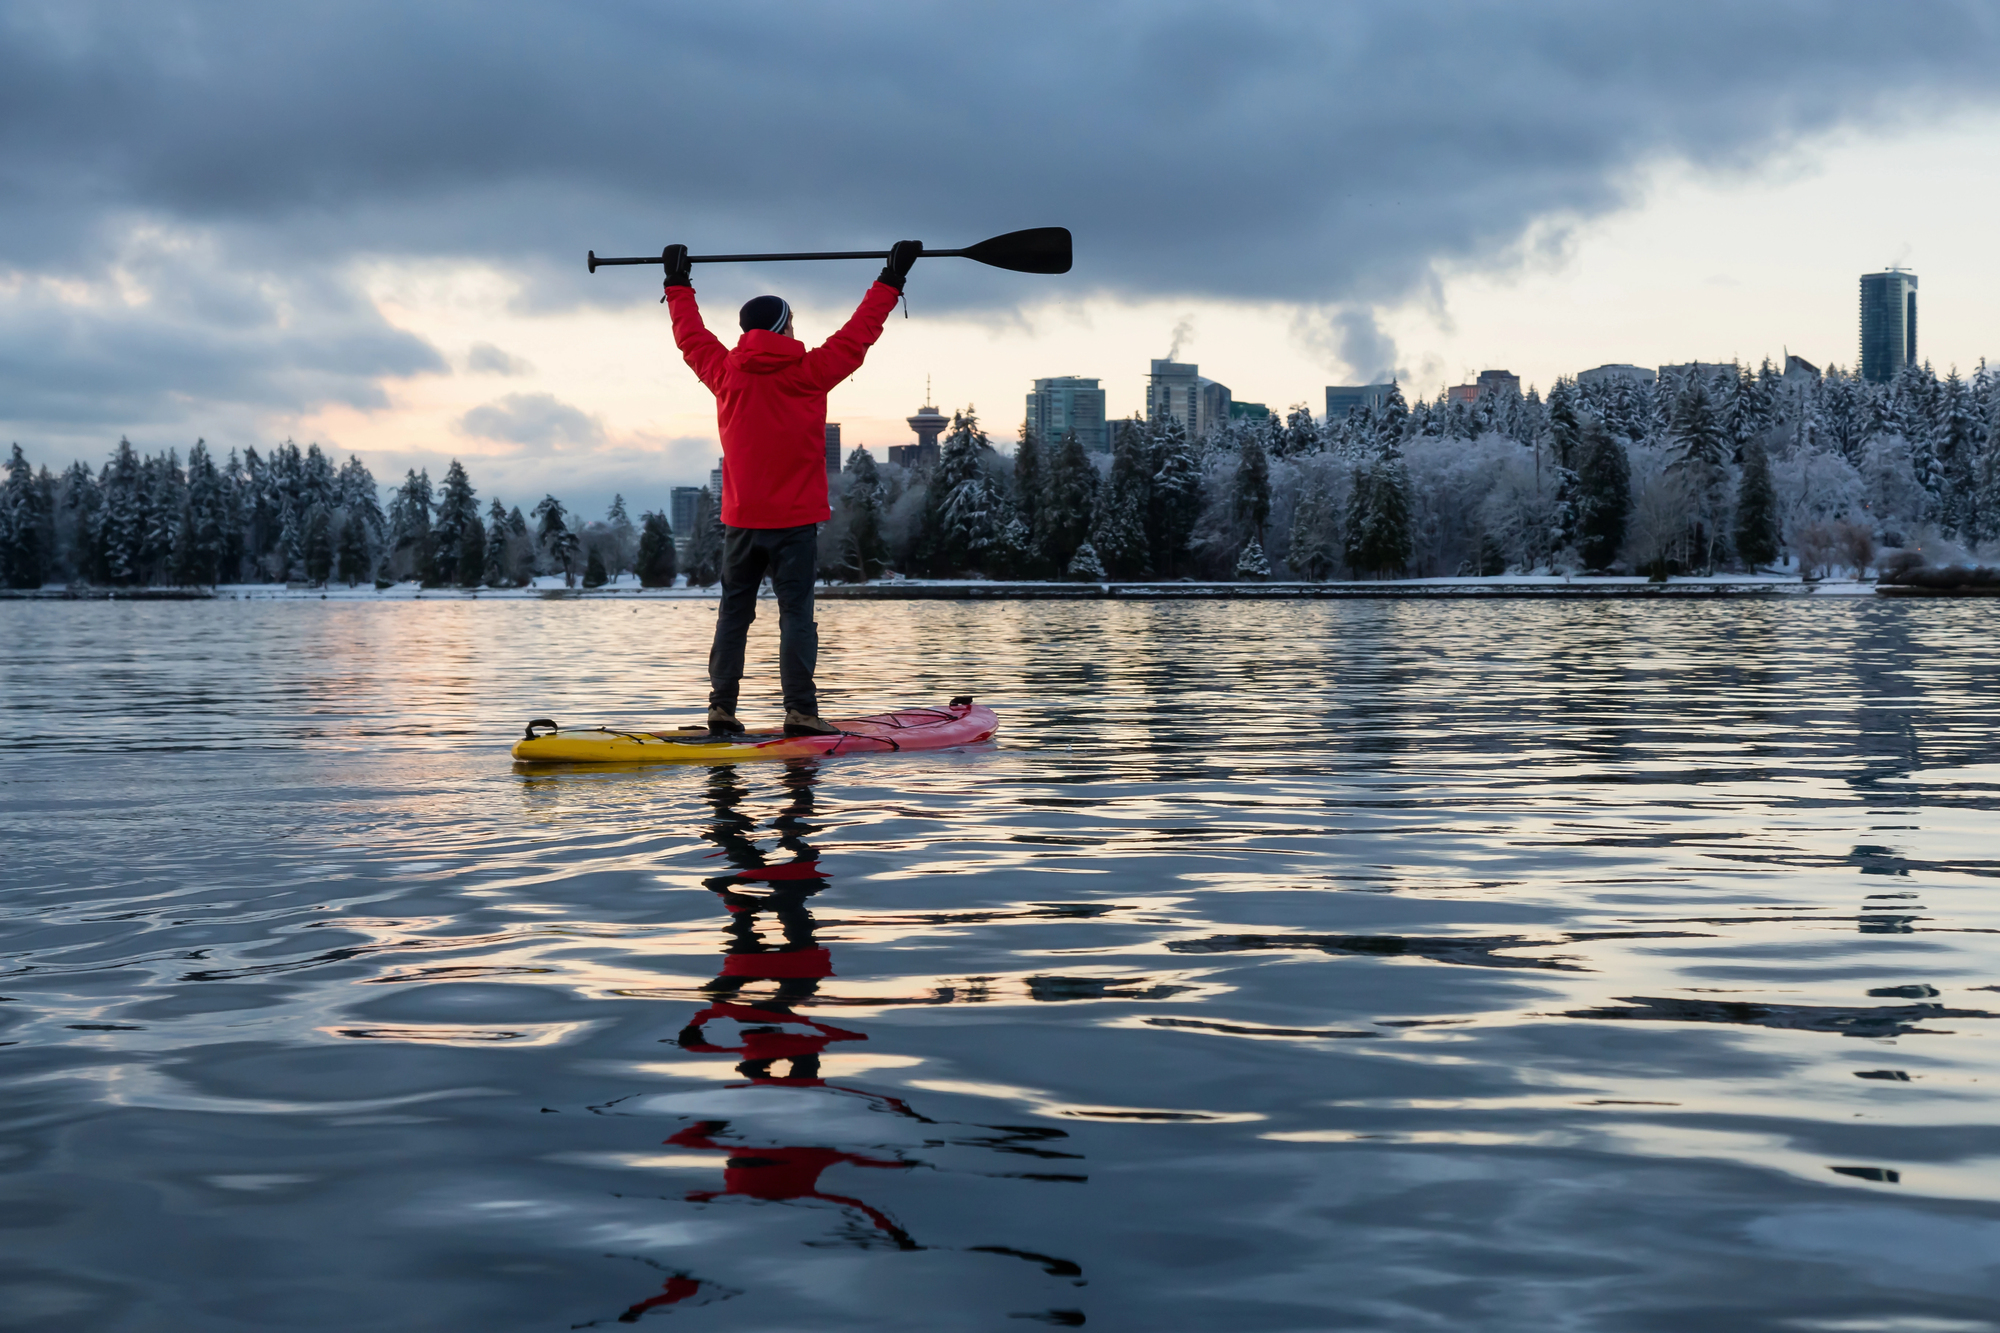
(1174, 495)
(1251, 489)
(656, 551)
(24, 527)
(1604, 494)
(966, 510)
(556, 538)
(1756, 508)
(410, 527)
(1313, 551)
(1118, 529)
(1062, 521)
(457, 517)
(1701, 454)
(1084, 566)
(863, 551)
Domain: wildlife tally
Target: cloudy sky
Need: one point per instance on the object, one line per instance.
(364, 224)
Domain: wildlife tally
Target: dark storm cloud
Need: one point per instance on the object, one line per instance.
(1323, 155)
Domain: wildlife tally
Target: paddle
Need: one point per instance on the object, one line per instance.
(1036, 250)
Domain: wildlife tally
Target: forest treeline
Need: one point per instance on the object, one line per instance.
(1732, 468)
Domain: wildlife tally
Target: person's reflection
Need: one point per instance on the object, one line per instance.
(769, 1030)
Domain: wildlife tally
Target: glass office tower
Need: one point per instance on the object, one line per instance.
(1888, 324)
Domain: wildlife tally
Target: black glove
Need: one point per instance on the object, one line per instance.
(901, 255)
(676, 259)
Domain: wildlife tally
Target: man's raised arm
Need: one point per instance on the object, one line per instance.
(702, 350)
(841, 355)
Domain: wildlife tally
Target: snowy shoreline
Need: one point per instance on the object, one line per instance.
(628, 589)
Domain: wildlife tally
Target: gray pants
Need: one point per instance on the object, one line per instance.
(791, 557)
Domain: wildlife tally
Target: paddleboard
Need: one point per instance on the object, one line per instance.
(960, 722)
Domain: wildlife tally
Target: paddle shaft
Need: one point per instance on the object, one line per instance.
(596, 262)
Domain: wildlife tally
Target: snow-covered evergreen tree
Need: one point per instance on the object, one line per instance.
(1084, 566)
(1313, 551)
(1031, 484)
(502, 560)
(316, 545)
(1701, 453)
(205, 522)
(1118, 529)
(556, 537)
(121, 532)
(1957, 439)
(24, 556)
(410, 527)
(864, 550)
(656, 551)
(965, 511)
(621, 544)
(1565, 432)
(354, 553)
(1251, 490)
(1062, 522)
(1604, 494)
(1174, 495)
(1756, 508)
(457, 513)
(1253, 564)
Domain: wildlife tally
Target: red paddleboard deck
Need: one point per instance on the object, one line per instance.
(960, 722)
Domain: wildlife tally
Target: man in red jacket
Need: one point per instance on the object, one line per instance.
(770, 406)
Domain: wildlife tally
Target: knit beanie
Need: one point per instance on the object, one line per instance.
(765, 312)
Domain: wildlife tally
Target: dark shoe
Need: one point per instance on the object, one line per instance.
(805, 724)
(722, 722)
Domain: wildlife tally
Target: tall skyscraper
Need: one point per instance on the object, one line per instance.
(684, 508)
(1066, 403)
(1344, 398)
(1888, 323)
(1176, 388)
(832, 448)
(1215, 402)
(715, 481)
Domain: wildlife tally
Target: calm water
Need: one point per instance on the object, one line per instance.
(1364, 966)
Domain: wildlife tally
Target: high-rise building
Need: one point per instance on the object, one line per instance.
(928, 423)
(1342, 399)
(1461, 393)
(683, 511)
(715, 481)
(1888, 323)
(1242, 411)
(1174, 389)
(1215, 401)
(832, 448)
(1066, 403)
(1603, 377)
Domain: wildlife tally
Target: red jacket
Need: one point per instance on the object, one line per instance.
(770, 404)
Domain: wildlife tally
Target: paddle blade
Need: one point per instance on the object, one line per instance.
(1036, 250)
